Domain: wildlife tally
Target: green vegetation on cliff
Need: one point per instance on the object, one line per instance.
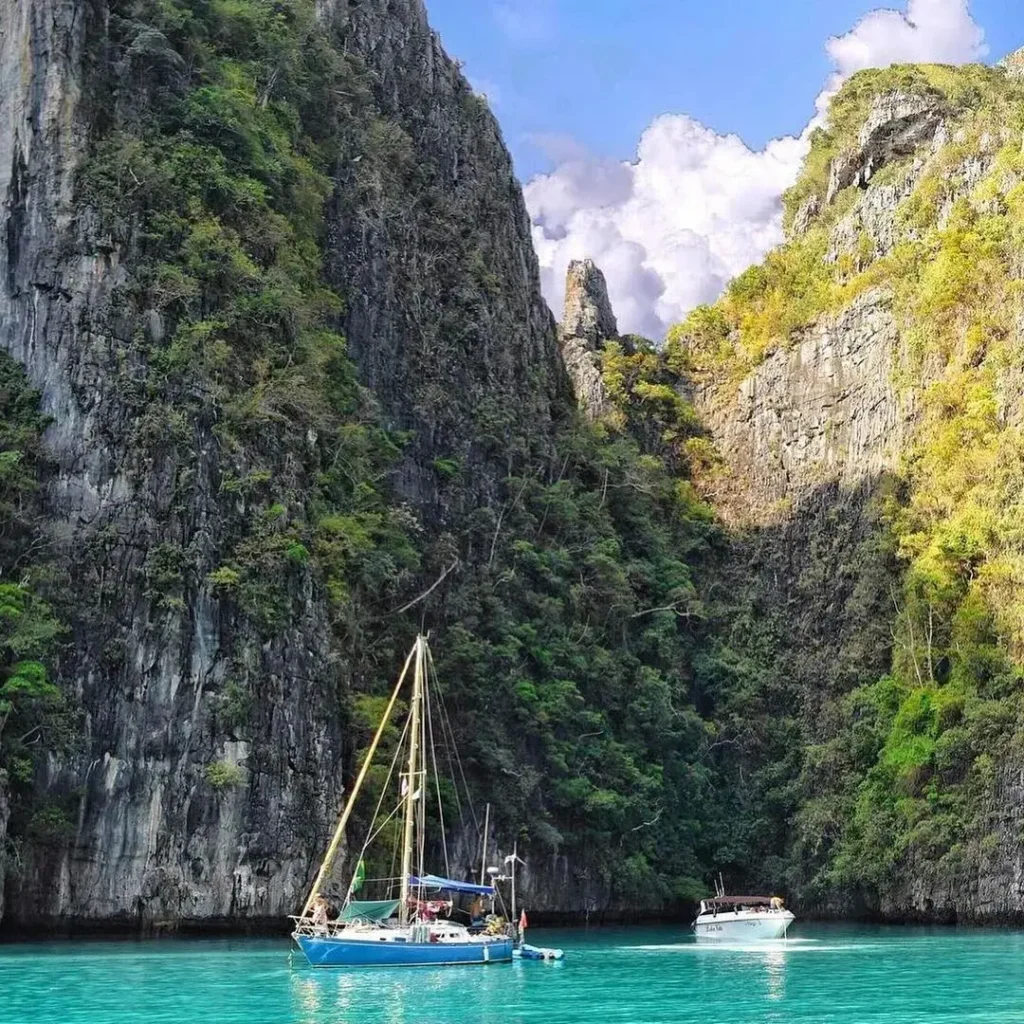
(567, 606)
(215, 171)
(893, 779)
(931, 268)
(35, 718)
(572, 650)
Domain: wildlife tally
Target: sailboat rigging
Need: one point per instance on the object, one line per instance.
(409, 930)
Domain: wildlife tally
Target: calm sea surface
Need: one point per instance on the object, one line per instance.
(640, 976)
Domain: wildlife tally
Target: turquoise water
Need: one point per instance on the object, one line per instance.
(639, 976)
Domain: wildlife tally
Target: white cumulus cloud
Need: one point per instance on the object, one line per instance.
(931, 31)
(696, 208)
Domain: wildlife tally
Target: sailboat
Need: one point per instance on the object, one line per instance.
(410, 929)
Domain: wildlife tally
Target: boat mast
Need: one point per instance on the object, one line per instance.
(483, 855)
(412, 779)
(339, 832)
(515, 857)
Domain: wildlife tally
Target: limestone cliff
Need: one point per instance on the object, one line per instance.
(852, 384)
(4, 815)
(152, 840)
(304, 398)
(826, 410)
(271, 273)
(431, 246)
(428, 243)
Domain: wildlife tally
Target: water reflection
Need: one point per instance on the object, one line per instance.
(305, 998)
(775, 963)
(394, 996)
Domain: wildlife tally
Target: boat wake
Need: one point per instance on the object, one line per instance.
(794, 945)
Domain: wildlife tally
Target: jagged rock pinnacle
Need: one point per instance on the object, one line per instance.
(588, 322)
(588, 310)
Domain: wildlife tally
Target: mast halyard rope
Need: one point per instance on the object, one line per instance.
(451, 765)
(453, 747)
(437, 782)
(376, 830)
(380, 828)
(372, 834)
(339, 832)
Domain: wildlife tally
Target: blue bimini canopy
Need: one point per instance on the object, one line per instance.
(436, 882)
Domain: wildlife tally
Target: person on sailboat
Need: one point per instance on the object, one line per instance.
(320, 914)
(476, 915)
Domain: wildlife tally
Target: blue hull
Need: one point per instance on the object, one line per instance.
(331, 952)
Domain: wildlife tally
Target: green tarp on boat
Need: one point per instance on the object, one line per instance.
(369, 910)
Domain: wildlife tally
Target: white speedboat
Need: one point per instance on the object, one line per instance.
(742, 918)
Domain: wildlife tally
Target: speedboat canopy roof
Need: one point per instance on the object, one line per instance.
(436, 882)
(746, 901)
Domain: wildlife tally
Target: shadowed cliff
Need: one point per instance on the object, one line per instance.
(270, 271)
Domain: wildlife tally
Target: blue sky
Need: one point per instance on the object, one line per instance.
(599, 71)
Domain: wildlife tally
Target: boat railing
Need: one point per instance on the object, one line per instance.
(307, 926)
(723, 911)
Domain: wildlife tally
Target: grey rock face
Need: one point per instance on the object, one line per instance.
(875, 213)
(809, 209)
(430, 244)
(588, 310)
(588, 322)
(965, 179)
(823, 411)
(153, 840)
(807, 440)
(4, 815)
(986, 889)
(896, 126)
(874, 216)
(442, 331)
(1014, 64)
